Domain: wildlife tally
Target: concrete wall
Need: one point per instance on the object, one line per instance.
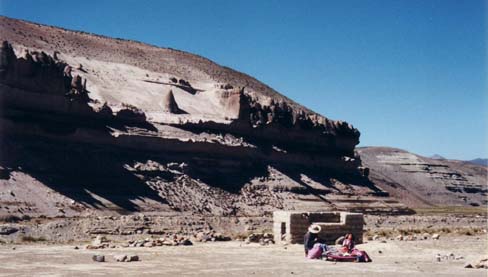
(292, 226)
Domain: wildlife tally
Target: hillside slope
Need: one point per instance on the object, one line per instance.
(424, 182)
(95, 125)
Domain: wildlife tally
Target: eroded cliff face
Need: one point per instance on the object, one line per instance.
(93, 124)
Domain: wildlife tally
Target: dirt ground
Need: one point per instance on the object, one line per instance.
(390, 258)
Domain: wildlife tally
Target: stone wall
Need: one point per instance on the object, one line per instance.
(292, 226)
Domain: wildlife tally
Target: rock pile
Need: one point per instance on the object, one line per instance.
(263, 239)
(126, 258)
(173, 240)
(117, 258)
(210, 236)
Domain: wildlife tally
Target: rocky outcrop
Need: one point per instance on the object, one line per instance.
(169, 103)
(31, 71)
(129, 113)
(38, 72)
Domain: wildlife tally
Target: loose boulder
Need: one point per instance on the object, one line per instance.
(98, 258)
(133, 258)
(120, 258)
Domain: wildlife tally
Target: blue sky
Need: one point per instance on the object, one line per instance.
(408, 74)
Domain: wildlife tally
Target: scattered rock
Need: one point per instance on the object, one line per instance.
(202, 237)
(468, 265)
(120, 258)
(483, 263)
(186, 242)
(262, 239)
(133, 258)
(7, 230)
(98, 258)
(399, 237)
(376, 237)
(436, 236)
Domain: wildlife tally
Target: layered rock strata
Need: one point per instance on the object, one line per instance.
(105, 125)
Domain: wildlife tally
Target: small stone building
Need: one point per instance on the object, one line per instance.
(291, 226)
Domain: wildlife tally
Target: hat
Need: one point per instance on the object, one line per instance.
(314, 229)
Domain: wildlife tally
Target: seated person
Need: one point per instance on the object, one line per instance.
(349, 249)
(348, 243)
(312, 244)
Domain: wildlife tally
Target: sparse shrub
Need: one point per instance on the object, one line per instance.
(445, 230)
(32, 239)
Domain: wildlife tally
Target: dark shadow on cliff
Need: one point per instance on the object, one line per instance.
(45, 103)
(230, 179)
(267, 146)
(78, 171)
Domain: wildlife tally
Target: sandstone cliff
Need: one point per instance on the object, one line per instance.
(95, 124)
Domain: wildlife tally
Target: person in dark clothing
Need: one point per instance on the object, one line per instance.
(311, 237)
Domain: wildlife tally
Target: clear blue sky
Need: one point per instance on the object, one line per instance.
(408, 74)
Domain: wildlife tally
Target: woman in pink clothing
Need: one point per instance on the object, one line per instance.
(349, 247)
(348, 243)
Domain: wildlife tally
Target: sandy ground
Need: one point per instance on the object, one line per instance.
(397, 258)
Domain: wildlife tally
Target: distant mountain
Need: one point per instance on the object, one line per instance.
(437, 157)
(419, 181)
(479, 161)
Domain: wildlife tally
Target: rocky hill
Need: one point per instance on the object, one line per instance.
(425, 182)
(95, 125)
